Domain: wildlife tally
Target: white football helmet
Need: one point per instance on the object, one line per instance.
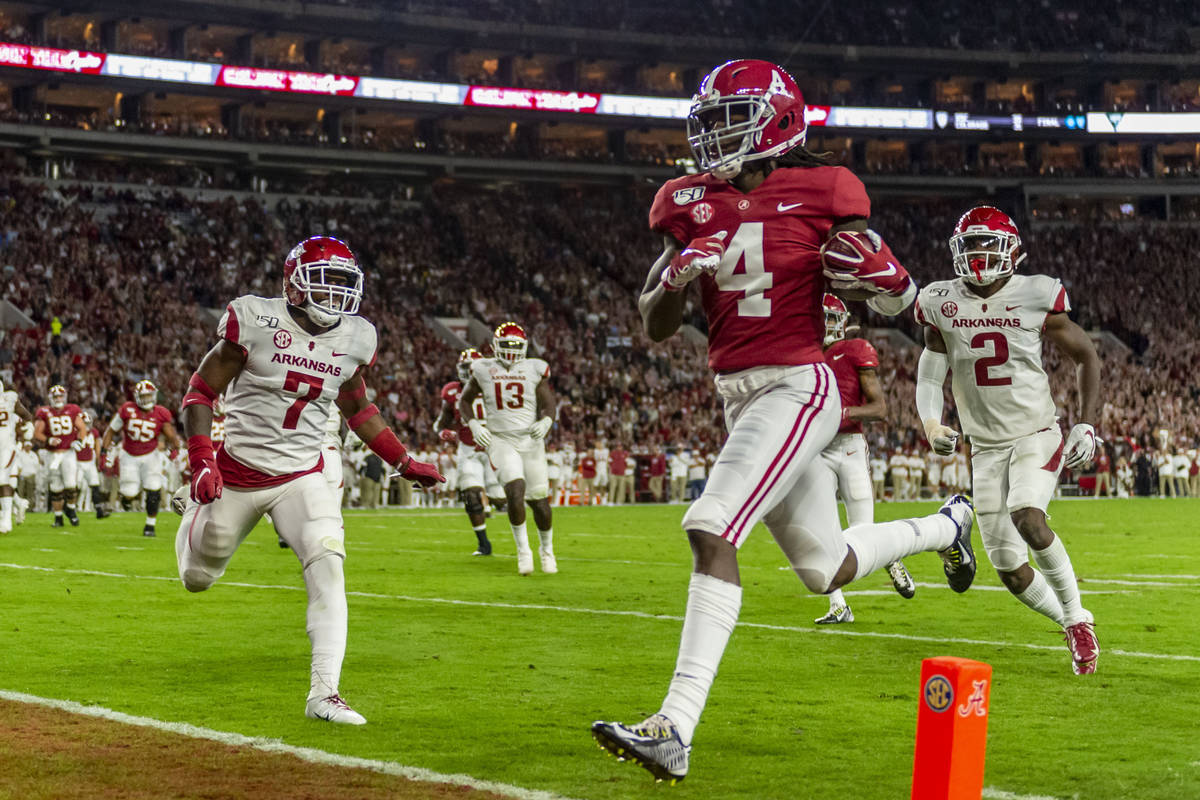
(509, 342)
(836, 315)
(144, 394)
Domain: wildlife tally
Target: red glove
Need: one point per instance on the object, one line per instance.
(701, 255)
(862, 260)
(206, 477)
(420, 472)
(448, 435)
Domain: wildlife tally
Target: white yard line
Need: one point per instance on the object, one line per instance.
(276, 746)
(606, 612)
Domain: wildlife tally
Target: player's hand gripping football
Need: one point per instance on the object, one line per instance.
(421, 473)
(1081, 446)
(483, 437)
(862, 261)
(206, 477)
(943, 439)
(541, 428)
(448, 435)
(701, 255)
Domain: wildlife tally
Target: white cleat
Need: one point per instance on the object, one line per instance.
(525, 563)
(333, 709)
(20, 506)
(549, 564)
(179, 499)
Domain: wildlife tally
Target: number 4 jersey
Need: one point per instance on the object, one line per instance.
(278, 405)
(509, 392)
(995, 352)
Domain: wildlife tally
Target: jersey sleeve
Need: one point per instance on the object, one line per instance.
(230, 326)
(667, 217)
(118, 420)
(849, 196)
(164, 415)
(543, 368)
(918, 313)
(1061, 303)
(864, 354)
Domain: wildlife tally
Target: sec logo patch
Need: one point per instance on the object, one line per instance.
(702, 213)
(283, 340)
(949, 309)
(938, 693)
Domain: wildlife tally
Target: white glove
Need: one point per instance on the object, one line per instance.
(541, 428)
(483, 437)
(1081, 446)
(77, 446)
(943, 439)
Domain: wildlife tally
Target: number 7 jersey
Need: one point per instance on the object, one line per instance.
(994, 345)
(278, 405)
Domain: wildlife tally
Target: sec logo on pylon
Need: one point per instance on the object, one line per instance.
(938, 693)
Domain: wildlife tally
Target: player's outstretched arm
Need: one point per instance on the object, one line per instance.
(931, 375)
(662, 308)
(1082, 441)
(364, 419)
(874, 405)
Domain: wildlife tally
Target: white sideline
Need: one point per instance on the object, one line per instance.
(999, 794)
(608, 612)
(275, 746)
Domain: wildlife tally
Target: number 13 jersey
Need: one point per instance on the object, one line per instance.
(509, 392)
(278, 405)
(994, 345)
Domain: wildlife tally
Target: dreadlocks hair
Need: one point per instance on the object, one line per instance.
(803, 157)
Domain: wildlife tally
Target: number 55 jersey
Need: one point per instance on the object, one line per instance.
(278, 405)
(994, 346)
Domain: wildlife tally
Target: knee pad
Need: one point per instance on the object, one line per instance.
(815, 580)
(706, 514)
(1004, 546)
(153, 499)
(55, 496)
(127, 503)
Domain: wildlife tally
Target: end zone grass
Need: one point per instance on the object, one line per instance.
(461, 666)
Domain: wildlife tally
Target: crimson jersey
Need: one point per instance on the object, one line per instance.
(60, 422)
(140, 428)
(764, 303)
(450, 394)
(88, 451)
(846, 358)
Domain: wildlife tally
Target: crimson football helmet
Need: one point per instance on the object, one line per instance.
(144, 394)
(836, 315)
(509, 342)
(58, 396)
(744, 110)
(985, 246)
(321, 276)
(464, 363)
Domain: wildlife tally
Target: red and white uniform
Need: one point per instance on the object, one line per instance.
(509, 394)
(847, 454)
(141, 462)
(8, 436)
(331, 455)
(1002, 394)
(60, 422)
(218, 428)
(471, 461)
(766, 327)
(86, 472)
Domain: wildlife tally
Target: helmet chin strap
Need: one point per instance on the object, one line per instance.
(319, 316)
(729, 171)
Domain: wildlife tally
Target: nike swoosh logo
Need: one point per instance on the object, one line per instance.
(883, 273)
(839, 355)
(1010, 308)
(787, 206)
(336, 354)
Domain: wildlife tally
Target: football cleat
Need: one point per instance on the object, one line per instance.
(58, 522)
(148, 530)
(525, 562)
(179, 500)
(333, 709)
(20, 506)
(484, 549)
(72, 516)
(902, 582)
(654, 745)
(282, 544)
(549, 563)
(102, 511)
(1085, 649)
(958, 560)
(836, 616)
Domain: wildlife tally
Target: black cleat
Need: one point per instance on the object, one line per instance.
(58, 523)
(102, 512)
(148, 531)
(283, 545)
(72, 517)
(902, 582)
(485, 549)
(958, 560)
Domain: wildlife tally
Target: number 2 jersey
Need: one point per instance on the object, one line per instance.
(764, 304)
(995, 352)
(140, 427)
(509, 392)
(277, 408)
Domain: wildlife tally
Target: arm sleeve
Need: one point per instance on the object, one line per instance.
(931, 374)
(890, 305)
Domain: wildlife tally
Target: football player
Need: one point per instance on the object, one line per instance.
(472, 461)
(518, 413)
(987, 327)
(86, 473)
(56, 427)
(854, 363)
(139, 424)
(761, 231)
(12, 414)
(282, 363)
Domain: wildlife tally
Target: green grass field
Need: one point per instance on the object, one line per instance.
(461, 666)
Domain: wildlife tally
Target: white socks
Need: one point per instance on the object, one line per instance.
(6, 504)
(327, 615)
(712, 612)
(1055, 564)
(521, 537)
(546, 537)
(881, 543)
(836, 598)
(1041, 599)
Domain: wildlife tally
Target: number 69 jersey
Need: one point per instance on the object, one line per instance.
(509, 392)
(278, 405)
(995, 352)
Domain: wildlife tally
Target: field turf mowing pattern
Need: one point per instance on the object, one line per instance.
(462, 666)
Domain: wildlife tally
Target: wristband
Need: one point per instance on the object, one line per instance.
(385, 445)
(362, 416)
(200, 450)
(199, 393)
